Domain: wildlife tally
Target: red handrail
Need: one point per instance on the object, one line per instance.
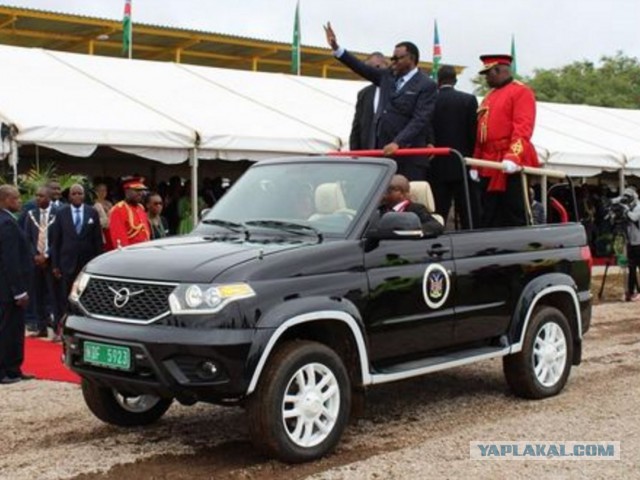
(402, 152)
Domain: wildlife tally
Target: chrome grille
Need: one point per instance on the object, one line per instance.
(103, 298)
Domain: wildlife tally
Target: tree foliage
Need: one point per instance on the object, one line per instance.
(613, 82)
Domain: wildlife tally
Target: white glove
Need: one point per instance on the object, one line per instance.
(509, 166)
(473, 175)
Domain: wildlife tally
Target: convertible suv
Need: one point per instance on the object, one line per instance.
(294, 294)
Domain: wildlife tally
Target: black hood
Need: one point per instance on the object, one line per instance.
(189, 258)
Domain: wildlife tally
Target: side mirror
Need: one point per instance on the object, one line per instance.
(397, 225)
(204, 211)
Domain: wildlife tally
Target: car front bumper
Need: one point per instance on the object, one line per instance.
(170, 362)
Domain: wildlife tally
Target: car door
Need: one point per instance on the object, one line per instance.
(486, 270)
(409, 309)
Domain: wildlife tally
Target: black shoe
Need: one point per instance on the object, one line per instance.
(26, 376)
(9, 380)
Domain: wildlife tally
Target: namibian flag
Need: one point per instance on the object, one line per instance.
(126, 28)
(437, 51)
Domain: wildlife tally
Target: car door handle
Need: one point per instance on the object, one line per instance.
(437, 251)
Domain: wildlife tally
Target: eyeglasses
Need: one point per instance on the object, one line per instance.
(397, 58)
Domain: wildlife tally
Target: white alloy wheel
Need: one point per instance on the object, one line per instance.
(541, 368)
(549, 354)
(311, 405)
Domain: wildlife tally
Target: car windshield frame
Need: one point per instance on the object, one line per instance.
(361, 182)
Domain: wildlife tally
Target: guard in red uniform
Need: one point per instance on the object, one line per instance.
(128, 222)
(505, 125)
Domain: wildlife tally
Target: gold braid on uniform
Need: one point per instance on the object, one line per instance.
(133, 229)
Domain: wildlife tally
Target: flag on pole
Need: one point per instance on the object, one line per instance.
(295, 47)
(127, 40)
(437, 51)
(514, 68)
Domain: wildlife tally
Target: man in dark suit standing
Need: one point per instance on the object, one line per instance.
(76, 238)
(37, 227)
(454, 125)
(15, 271)
(407, 99)
(362, 134)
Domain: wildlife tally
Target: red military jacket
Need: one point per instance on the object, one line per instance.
(128, 224)
(505, 125)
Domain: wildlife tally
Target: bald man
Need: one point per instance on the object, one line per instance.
(15, 273)
(397, 199)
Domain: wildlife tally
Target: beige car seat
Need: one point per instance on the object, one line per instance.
(329, 200)
(420, 192)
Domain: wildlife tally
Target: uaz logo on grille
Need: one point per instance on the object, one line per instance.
(121, 297)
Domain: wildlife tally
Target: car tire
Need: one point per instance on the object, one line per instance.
(114, 408)
(542, 367)
(301, 405)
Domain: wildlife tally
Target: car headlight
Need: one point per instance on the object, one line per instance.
(79, 284)
(195, 299)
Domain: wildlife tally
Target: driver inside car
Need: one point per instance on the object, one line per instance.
(396, 199)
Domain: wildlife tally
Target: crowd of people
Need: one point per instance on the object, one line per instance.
(405, 108)
(46, 242)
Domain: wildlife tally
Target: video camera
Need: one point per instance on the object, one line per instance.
(618, 207)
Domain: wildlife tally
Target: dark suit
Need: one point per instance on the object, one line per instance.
(403, 116)
(43, 291)
(362, 134)
(430, 225)
(15, 273)
(454, 124)
(71, 251)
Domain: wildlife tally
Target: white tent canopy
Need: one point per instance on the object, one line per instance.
(54, 106)
(230, 124)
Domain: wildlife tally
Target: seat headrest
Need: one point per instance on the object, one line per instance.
(420, 192)
(329, 198)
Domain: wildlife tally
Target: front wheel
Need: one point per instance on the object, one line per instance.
(542, 367)
(301, 405)
(113, 407)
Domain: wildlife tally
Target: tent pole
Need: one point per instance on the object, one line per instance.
(621, 176)
(37, 159)
(13, 161)
(194, 186)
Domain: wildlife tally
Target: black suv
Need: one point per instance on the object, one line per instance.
(294, 294)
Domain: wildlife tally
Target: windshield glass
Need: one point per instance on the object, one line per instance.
(326, 197)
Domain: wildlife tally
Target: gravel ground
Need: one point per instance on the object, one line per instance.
(414, 429)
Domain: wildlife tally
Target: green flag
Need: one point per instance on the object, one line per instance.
(126, 29)
(514, 67)
(295, 47)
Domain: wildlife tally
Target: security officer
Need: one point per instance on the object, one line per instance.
(128, 222)
(506, 119)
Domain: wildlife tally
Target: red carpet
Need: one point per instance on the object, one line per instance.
(42, 359)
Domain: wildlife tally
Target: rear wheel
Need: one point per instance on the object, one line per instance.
(115, 408)
(301, 405)
(542, 367)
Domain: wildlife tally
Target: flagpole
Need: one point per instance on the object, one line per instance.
(295, 54)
